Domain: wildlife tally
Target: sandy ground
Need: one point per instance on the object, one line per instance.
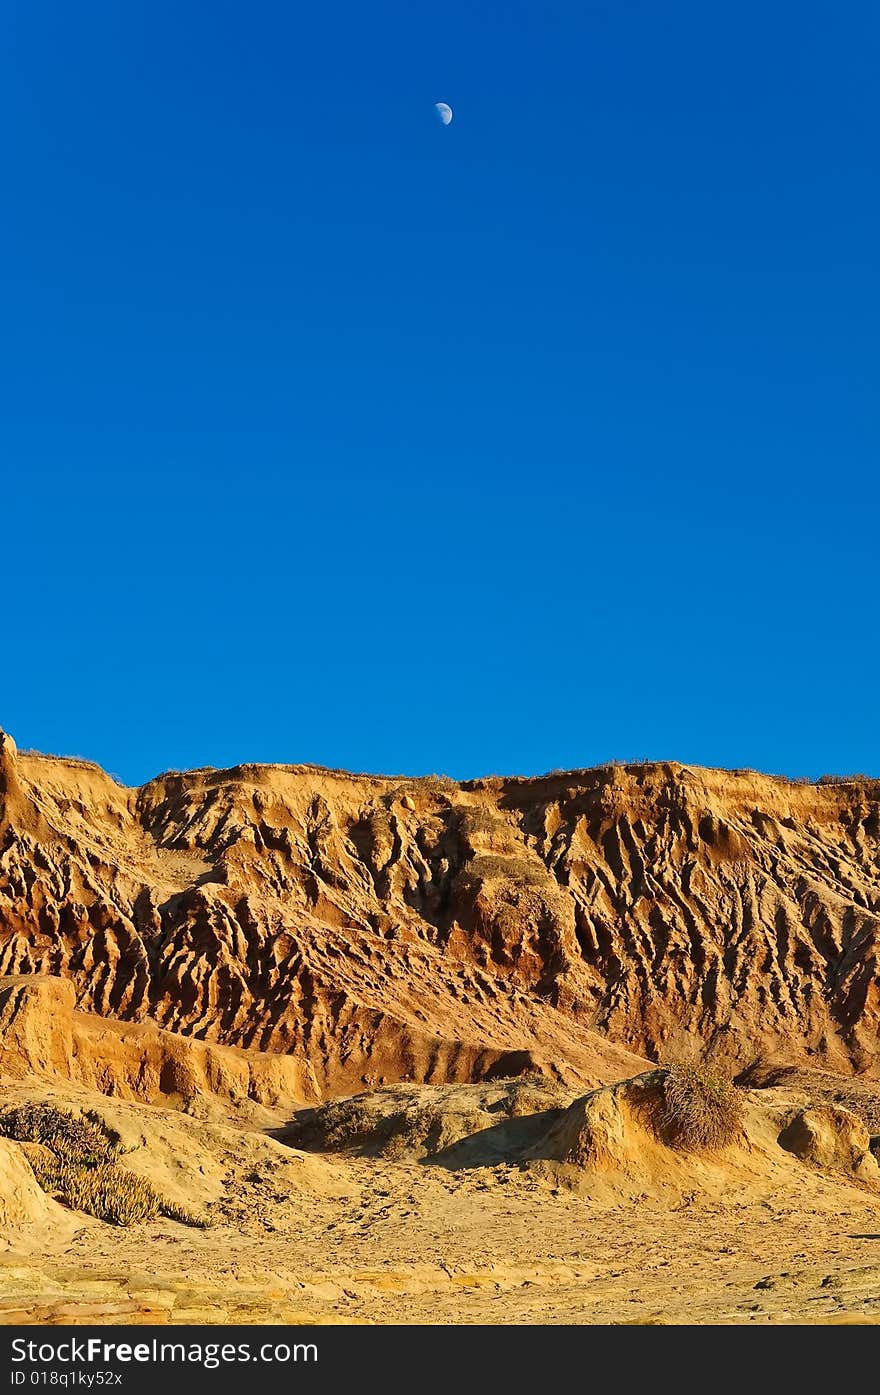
(417, 1244)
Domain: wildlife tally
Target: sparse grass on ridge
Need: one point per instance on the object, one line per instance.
(845, 780)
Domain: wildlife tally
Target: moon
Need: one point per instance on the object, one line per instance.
(444, 111)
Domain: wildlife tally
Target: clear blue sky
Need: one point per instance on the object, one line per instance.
(332, 434)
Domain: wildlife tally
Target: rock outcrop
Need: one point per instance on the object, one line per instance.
(833, 1138)
(380, 929)
(43, 1036)
(22, 1200)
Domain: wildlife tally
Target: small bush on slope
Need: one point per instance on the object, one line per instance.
(700, 1109)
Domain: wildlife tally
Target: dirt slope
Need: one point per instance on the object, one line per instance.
(493, 1202)
(609, 1144)
(389, 930)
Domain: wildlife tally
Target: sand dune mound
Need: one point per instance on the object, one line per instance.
(832, 1138)
(196, 1171)
(858, 1094)
(622, 1134)
(616, 1142)
(415, 1123)
(380, 930)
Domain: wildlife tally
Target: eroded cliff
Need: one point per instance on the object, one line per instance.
(394, 929)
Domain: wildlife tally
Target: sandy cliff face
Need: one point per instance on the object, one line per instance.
(43, 1036)
(402, 929)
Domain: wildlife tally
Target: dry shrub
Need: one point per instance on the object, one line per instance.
(507, 867)
(700, 1108)
(76, 1163)
(70, 1136)
(439, 784)
(480, 820)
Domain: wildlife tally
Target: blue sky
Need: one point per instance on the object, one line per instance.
(331, 434)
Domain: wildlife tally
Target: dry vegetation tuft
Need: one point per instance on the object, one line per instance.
(854, 779)
(70, 1136)
(439, 785)
(700, 1108)
(76, 1163)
